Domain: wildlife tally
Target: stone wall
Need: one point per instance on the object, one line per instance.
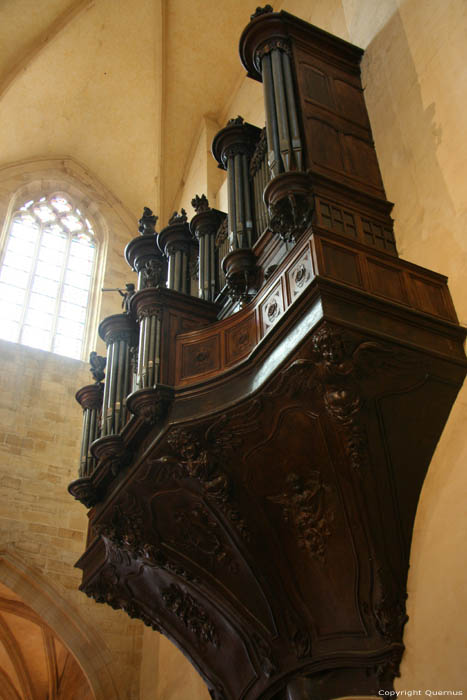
(40, 427)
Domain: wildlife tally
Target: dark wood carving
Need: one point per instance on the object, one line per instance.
(257, 508)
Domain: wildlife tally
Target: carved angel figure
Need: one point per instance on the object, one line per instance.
(97, 366)
(304, 508)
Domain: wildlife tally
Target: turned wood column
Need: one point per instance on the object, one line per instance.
(204, 226)
(147, 308)
(233, 147)
(144, 255)
(119, 333)
(268, 48)
(175, 240)
(90, 399)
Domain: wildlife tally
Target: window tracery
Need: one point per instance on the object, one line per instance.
(46, 275)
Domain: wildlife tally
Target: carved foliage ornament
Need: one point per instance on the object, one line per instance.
(202, 465)
(147, 223)
(153, 273)
(261, 11)
(290, 216)
(336, 371)
(191, 614)
(200, 204)
(303, 507)
(257, 159)
(177, 218)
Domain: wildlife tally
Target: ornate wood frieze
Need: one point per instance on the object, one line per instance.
(193, 616)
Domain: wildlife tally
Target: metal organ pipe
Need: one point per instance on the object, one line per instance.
(90, 399)
(283, 134)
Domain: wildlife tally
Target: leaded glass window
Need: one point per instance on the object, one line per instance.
(46, 275)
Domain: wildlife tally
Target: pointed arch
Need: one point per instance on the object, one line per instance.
(82, 640)
(25, 180)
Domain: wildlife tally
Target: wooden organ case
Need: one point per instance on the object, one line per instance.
(275, 391)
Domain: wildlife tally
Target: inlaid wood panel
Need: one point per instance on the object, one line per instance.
(240, 340)
(200, 357)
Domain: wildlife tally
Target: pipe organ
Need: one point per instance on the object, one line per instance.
(273, 395)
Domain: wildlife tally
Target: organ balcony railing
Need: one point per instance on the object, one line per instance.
(268, 376)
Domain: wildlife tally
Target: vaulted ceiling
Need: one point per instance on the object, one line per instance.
(34, 664)
(121, 87)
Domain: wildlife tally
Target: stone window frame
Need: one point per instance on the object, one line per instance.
(89, 209)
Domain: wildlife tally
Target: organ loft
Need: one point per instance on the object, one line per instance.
(274, 389)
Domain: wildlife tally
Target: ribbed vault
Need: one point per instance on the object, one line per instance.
(34, 664)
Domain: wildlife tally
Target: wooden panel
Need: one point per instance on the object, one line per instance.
(300, 274)
(386, 280)
(326, 148)
(240, 340)
(350, 103)
(200, 357)
(272, 309)
(361, 159)
(429, 296)
(315, 85)
(341, 264)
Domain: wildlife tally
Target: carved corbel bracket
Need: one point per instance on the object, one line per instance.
(84, 491)
(111, 456)
(151, 404)
(290, 205)
(241, 274)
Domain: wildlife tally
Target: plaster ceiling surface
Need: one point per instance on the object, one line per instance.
(34, 664)
(83, 78)
(26, 26)
(201, 73)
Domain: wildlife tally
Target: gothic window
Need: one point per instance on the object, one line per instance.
(46, 273)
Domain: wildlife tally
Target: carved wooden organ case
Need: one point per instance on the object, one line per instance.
(274, 392)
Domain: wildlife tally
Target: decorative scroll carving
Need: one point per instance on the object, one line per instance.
(389, 609)
(199, 532)
(222, 233)
(153, 273)
(104, 589)
(147, 223)
(192, 615)
(290, 217)
(97, 366)
(177, 218)
(303, 505)
(124, 530)
(259, 154)
(150, 310)
(199, 464)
